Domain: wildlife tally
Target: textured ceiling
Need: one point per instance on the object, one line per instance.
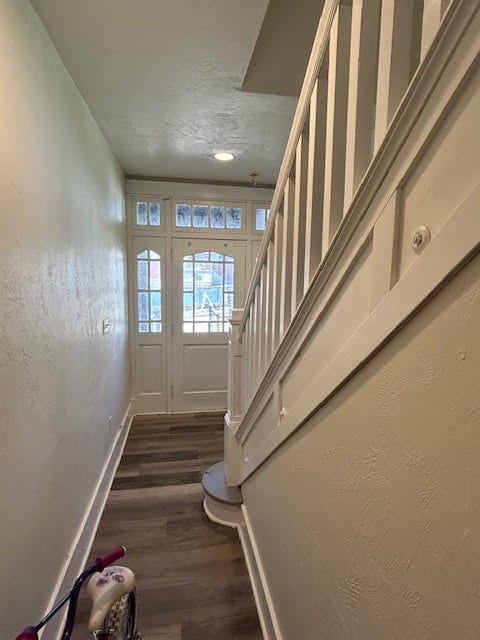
(163, 77)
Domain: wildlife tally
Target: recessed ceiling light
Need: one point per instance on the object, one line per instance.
(223, 156)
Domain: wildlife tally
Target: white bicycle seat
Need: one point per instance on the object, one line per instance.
(105, 588)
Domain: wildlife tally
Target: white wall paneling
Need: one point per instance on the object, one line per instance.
(385, 242)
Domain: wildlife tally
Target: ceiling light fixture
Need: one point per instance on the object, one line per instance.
(223, 156)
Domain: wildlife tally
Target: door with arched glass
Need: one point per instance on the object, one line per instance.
(208, 282)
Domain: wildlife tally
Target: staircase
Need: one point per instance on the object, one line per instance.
(375, 211)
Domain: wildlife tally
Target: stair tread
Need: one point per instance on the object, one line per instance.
(215, 485)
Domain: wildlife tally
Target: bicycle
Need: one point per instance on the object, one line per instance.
(114, 609)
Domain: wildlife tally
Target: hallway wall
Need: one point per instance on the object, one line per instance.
(62, 271)
(367, 520)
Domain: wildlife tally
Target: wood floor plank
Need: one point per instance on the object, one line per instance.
(192, 579)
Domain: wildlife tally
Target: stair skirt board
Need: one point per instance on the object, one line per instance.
(82, 543)
(237, 517)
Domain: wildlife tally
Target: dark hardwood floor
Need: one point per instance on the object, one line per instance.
(191, 575)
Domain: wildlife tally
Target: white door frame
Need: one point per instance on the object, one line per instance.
(153, 401)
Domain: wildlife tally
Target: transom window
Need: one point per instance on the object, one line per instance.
(208, 216)
(147, 214)
(261, 217)
(208, 280)
(149, 292)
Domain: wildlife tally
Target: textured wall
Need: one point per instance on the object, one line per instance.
(62, 270)
(368, 519)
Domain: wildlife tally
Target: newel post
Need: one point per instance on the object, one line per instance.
(233, 453)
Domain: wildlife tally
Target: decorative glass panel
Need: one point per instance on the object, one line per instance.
(149, 296)
(261, 216)
(188, 276)
(200, 216)
(234, 218)
(155, 275)
(143, 306)
(208, 280)
(184, 215)
(229, 277)
(142, 213)
(142, 274)
(217, 217)
(155, 305)
(204, 217)
(154, 213)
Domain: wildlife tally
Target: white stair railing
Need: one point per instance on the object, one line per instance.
(363, 59)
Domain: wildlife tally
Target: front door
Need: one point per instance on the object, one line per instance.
(208, 281)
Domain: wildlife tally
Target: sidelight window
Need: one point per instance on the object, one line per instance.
(149, 292)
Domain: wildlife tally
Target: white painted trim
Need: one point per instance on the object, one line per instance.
(439, 60)
(263, 598)
(393, 65)
(216, 518)
(83, 540)
(432, 16)
(261, 593)
(383, 258)
(177, 413)
(128, 415)
(458, 17)
(455, 244)
(317, 56)
(138, 187)
(336, 124)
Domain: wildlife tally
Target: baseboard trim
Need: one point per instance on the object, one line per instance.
(82, 543)
(128, 415)
(266, 612)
